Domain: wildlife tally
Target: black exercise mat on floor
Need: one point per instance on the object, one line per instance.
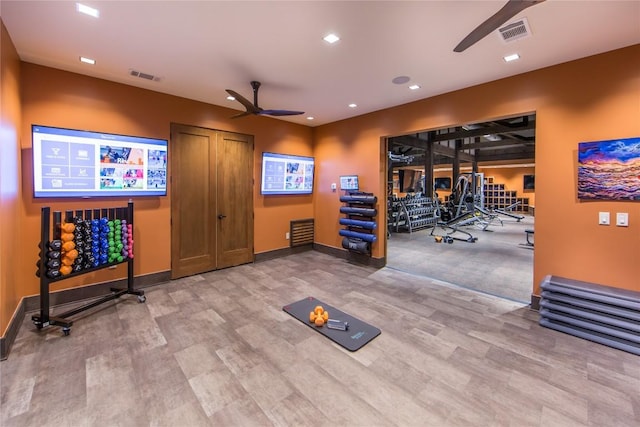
(358, 334)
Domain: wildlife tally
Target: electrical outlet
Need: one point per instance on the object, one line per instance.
(622, 219)
(286, 235)
(603, 218)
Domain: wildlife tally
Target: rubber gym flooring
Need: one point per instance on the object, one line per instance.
(498, 263)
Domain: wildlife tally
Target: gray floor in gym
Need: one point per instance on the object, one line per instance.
(216, 349)
(498, 263)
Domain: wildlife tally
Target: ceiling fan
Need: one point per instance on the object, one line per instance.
(508, 11)
(254, 108)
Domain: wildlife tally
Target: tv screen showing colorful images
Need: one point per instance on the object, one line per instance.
(78, 163)
(286, 174)
(349, 183)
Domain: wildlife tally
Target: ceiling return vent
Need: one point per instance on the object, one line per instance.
(145, 76)
(515, 30)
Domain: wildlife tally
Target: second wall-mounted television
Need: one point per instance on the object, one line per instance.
(442, 183)
(80, 163)
(286, 174)
(529, 182)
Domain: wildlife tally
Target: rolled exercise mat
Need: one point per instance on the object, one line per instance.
(363, 236)
(368, 225)
(356, 245)
(359, 198)
(358, 211)
(354, 338)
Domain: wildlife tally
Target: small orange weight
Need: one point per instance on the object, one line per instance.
(325, 316)
(69, 245)
(312, 317)
(65, 269)
(72, 254)
(319, 321)
(318, 310)
(68, 227)
(67, 237)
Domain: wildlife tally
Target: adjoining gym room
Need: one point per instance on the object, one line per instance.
(461, 205)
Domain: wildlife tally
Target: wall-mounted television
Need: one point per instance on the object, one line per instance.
(442, 183)
(529, 182)
(80, 163)
(349, 183)
(286, 174)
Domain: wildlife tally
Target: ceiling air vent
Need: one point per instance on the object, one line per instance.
(145, 76)
(515, 30)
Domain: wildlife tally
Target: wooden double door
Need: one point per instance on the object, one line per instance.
(211, 200)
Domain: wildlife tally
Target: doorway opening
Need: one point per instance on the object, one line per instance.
(461, 205)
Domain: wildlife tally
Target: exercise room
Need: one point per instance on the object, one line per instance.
(461, 205)
(318, 213)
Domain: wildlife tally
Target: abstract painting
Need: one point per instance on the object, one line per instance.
(609, 170)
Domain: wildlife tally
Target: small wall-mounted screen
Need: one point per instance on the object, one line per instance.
(443, 183)
(286, 174)
(529, 182)
(349, 183)
(78, 163)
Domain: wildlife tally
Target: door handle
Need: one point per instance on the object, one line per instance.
(221, 216)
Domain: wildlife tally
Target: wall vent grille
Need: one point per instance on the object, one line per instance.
(301, 232)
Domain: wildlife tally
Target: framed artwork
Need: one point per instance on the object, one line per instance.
(609, 170)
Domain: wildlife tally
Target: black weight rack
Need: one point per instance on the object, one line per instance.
(46, 233)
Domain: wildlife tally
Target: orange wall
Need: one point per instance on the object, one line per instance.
(58, 98)
(11, 225)
(591, 99)
(512, 178)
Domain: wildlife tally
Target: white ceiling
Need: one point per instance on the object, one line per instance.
(200, 48)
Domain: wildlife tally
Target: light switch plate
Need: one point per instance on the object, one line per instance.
(622, 219)
(603, 218)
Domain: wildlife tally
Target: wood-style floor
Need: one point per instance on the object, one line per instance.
(217, 349)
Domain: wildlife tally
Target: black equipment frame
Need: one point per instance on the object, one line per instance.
(44, 318)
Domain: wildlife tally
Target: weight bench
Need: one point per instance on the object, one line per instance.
(529, 234)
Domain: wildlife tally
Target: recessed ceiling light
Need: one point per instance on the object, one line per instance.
(510, 58)
(231, 98)
(353, 105)
(87, 10)
(414, 87)
(87, 60)
(331, 38)
(310, 118)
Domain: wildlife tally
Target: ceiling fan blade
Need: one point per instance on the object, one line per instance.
(508, 11)
(251, 109)
(279, 113)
